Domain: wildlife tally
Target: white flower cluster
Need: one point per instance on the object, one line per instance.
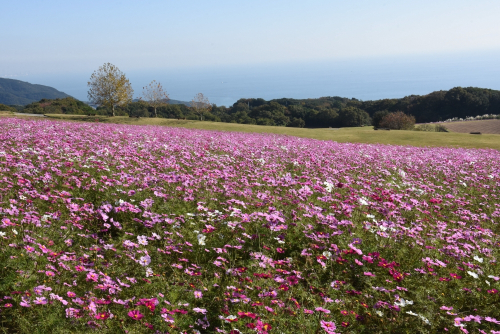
(424, 319)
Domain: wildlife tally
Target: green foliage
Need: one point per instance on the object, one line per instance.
(137, 109)
(296, 123)
(67, 105)
(3, 107)
(431, 128)
(109, 87)
(352, 116)
(378, 116)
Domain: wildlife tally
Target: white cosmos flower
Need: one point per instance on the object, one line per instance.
(363, 201)
(473, 274)
(142, 240)
(328, 186)
(478, 259)
(230, 317)
(402, 303)
(201, 239)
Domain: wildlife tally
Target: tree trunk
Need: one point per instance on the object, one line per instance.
(156, 115)
(113, 110)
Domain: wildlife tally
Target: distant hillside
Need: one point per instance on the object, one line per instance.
(179, 102)
(170, 102)
(18, 92)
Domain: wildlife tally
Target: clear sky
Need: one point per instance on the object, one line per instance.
(57, 37)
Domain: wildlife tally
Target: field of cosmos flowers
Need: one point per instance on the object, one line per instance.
(126, 229)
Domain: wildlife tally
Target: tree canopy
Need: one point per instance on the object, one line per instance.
(109, 87)
(200, 104)
(155, 96)
(68, 105)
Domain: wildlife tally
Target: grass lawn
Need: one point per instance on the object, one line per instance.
(353, 135)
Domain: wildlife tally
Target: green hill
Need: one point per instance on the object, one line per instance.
(16, 92)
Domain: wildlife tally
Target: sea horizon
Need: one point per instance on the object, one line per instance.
(362, 79)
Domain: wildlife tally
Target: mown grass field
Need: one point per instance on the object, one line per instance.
(343, 135)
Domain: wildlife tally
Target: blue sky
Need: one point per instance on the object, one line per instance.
(54, 37)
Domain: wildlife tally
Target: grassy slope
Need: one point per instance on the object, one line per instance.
(356, 135)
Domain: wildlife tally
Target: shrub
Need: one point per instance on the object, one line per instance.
(378, 116)
(431, 128)
(3, 107)
(398, 121)
(440, 128)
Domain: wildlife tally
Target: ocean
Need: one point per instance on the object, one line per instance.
(363, 79)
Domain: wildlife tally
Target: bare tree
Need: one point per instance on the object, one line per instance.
(200, 104)
(109, 87)
(154, 95)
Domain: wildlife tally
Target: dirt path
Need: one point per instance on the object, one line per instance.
(23, 114)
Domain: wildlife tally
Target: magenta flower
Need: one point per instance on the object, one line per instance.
(328, 326)
(103, 316)
(135, 314)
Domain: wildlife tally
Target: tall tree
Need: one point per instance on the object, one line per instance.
(154, 95)
(109, 87)
(200, 104)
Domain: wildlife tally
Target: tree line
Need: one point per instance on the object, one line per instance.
(341, 112)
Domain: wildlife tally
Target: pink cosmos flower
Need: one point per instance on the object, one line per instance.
(40, 301)
(328, 326)
(493, 320)
(198, 294)
(320, 309)
(102, 316)
(135, 314)
(92, 277)
(200, 310)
